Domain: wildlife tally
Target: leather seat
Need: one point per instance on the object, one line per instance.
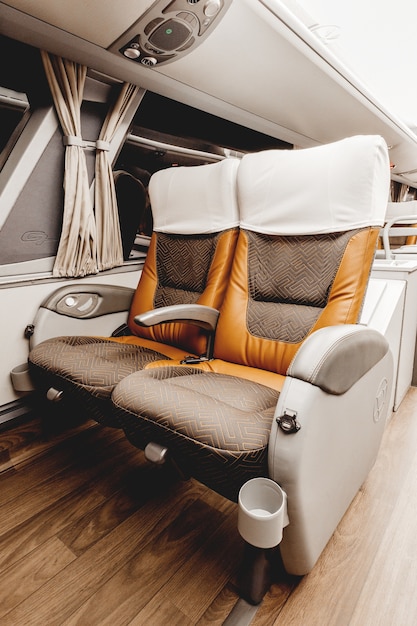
(292, 390)
(195, 222)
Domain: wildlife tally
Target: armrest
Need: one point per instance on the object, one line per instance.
(80, 309)
(89, 300)
(336, 357)
(322, 463)
(389, 230)
(198, 314)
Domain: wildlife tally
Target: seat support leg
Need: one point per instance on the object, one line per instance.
(256, 573)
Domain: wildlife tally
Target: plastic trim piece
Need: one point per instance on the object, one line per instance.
(198, 314)
(89, 300)
(168, 30)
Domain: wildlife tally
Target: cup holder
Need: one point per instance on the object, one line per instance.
(21, 379)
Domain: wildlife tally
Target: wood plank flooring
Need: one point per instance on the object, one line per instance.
(91, 534)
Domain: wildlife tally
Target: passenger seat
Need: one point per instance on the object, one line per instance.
(298, 391)
(195, 228)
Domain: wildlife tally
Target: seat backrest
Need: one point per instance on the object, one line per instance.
(309, 222)
(195, 228)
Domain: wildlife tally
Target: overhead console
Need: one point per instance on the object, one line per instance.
(170, 29)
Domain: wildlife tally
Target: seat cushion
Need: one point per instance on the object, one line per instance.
(195, 216)
(215, 426)
(88, 368)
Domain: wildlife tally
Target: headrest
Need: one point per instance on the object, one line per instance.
(330, 188)
(195, 200)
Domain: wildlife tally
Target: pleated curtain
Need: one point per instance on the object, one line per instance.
(109, 240)
(77, 249)
(90, 239)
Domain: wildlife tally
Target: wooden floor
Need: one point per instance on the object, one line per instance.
(90, 534)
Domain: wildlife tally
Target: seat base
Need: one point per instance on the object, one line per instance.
(222, 454)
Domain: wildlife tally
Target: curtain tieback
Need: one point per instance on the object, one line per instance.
(73, 140)
(102, 145)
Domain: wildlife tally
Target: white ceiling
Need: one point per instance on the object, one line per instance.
(377, 40)
(82, 18)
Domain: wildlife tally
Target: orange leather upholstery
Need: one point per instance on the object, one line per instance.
(343, 306)
(218, 258)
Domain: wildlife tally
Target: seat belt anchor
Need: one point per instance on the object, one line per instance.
(193, 360)
(288, 422)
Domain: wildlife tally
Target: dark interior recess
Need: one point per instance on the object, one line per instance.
(168, 116)
(164, 120)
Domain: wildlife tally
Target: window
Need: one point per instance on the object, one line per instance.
(14, 113)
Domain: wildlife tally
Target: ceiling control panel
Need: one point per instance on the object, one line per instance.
(168, 30)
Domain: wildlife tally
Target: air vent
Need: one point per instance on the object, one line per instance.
(193, 1)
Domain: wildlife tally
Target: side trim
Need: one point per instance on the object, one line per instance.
(12, 411)
(16, 171)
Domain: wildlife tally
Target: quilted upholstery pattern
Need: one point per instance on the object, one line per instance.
(251, 332)
(195, 272)
(88, 366)
(182, 266)
(289, 281)
(217, 425)
(92, 362)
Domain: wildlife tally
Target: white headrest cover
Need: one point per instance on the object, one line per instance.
(330, 188)
(195, 200)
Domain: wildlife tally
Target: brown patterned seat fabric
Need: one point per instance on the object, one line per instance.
(216, 425)
(190, 254)
(90, 367)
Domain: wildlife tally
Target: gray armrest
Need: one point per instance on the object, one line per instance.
(198, 314)
(89, 300)
(81, 309)
(335, 357)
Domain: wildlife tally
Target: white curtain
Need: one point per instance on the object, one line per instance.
(90, 238)
(77, 250)
(109, 241)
